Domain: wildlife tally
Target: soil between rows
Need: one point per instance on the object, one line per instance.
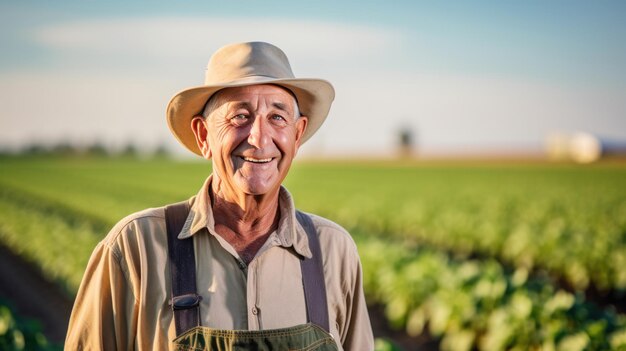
(33, 296)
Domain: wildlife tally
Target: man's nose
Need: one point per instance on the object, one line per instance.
(259, 133)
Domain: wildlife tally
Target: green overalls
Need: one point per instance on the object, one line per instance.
(312, 336)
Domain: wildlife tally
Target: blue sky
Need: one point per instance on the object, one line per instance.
(481, 76)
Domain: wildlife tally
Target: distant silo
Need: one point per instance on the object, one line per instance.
(585, 148)
(581, 147)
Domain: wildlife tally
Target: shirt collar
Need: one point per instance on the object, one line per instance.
(289, 232)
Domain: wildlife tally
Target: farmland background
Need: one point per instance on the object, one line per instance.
(474, 255)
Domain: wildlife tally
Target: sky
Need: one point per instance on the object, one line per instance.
(474, 77)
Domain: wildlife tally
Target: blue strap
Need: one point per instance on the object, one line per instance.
(185, 301)
(313, 277)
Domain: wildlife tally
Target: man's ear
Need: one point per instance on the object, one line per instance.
(201, 132)
(301, 124)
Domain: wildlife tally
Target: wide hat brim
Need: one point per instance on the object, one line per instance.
(314, 97)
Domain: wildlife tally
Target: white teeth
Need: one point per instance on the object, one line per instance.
(250, 159)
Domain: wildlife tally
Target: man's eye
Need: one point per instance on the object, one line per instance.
(278, 118)
(239, 119)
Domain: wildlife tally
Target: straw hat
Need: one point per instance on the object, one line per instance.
(244, 64)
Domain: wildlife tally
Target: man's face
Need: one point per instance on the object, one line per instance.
(253, 135)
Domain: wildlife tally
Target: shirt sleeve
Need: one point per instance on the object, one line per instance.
(357, 328)
(103, 313)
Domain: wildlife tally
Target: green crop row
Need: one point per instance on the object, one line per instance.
(60, 248)
(21, 334)
(478, 305)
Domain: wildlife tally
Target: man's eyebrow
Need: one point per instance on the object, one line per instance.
(280, 106)
(245, 105)
(241, 104)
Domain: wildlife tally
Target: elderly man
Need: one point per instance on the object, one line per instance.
(236, 267)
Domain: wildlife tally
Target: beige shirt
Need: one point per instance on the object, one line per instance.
(123, 300)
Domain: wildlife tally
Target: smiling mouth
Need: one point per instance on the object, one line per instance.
(257, 160)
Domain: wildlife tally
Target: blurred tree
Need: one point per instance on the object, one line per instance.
(97, 149)
(64, 148)
(161, 151)
(405, 140)
(34, 150)
(130, 150)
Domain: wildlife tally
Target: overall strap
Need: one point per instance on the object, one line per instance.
(313, 277)
(185, 301)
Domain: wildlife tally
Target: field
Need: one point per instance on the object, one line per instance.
(487, 256)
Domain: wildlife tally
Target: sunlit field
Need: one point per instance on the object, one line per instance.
(480, 255)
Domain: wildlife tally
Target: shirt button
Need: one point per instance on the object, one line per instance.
(255, 311)
(242, 265)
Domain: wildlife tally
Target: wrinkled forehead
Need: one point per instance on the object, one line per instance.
(249, 95)
(253, 92)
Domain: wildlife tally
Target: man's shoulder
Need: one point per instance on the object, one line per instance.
(147, 224)
(144, 222)
(332, 234)
(325, 224)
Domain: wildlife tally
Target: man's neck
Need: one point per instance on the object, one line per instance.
(255, 217)
(246, 224)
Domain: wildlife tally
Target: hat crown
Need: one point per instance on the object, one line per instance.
(237, 61)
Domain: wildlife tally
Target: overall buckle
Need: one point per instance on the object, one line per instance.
(184, 302)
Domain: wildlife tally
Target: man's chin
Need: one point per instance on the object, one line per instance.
(259, 187)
